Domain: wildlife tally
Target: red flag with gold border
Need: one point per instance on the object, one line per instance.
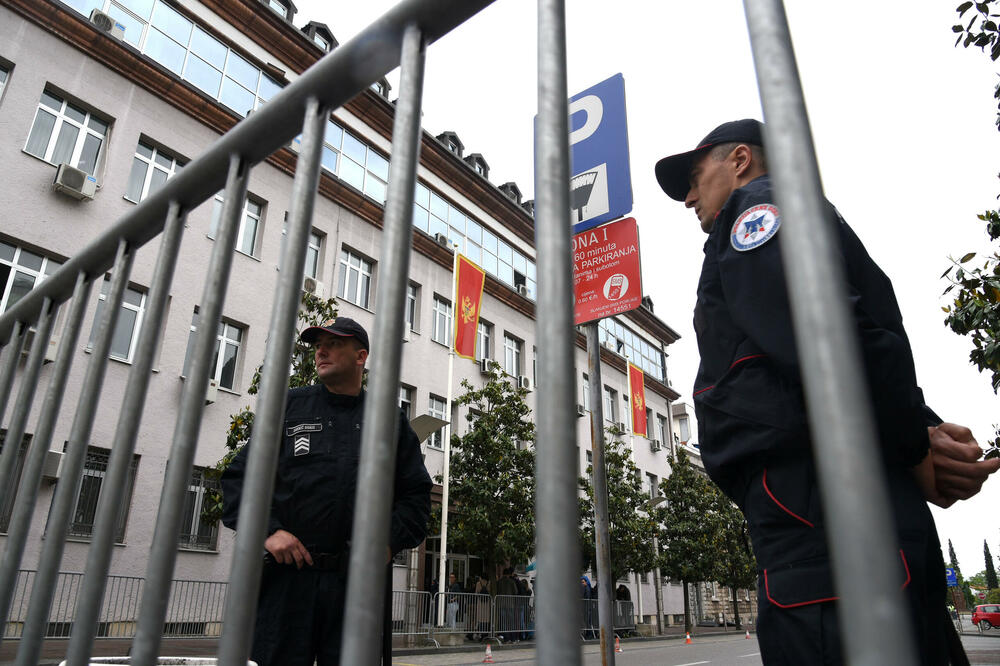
(637, 391)
(469, 280)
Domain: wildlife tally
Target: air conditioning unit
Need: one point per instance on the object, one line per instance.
(406, 332)
(524, 382)
(50, 468)
(50, 351)
(580, 411)
(442, 240)
(484, 366)
(654, 445)
(314, 287)
(622, 426)
(212, 392)
(74, 183)
(523, 290)
(107, 24)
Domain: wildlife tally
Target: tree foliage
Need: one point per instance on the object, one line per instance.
(736, 566)
(990, 571)
(975, 307)
(630, 527)
(492, 485)
(313, 311)
(688, 526)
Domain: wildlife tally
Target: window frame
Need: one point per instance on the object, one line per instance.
(97, 457)
(436, 438)
(365, 272)
(220, 338)
(140, 316)
(513, 355)
(192, 538)
(484, 340)
(37, 275)
(218, 204)
(60, 120)
(411, 310)
(441, 321)
(176, 164)
(610, 405)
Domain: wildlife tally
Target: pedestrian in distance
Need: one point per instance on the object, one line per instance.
(304, 583)
(454, 590)
(753, 428)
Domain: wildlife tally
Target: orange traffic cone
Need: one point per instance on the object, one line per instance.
(748, 634)
(687, 640)
(618, 645)
(489, 655)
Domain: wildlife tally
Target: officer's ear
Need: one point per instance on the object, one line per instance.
(742, 159)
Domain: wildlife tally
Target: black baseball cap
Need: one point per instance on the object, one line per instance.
(342, 326)
(673, 173)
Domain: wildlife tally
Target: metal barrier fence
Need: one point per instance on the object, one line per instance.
(464, 612)
(839, 415)
(411, 613)
(194, 607)
(513, 617)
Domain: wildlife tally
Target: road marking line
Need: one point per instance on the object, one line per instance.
(694, 663)
(754, 654)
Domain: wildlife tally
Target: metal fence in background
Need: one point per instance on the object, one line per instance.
(840, 418)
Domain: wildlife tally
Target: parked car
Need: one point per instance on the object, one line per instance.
(986, 616)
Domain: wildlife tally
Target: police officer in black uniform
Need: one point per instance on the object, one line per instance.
(751, 414)
(304, 584)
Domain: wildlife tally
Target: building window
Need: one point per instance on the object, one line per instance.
(151, 167)
(534, 366)
(320, 41)
(353, 161)
(652, 486)
(685, 428)
(129, 321)
(4, 75)
(661, 423)
(626, 342)
(406, 400)
(355, 279)
(586, 392)
(66, 133)
(20, 271)
(410, 313)
(246, 237)
(610, 405)
(8, 495)
(196, 532)
(279, 7)
(227, 352)
(311, 268)
(436, 407)
(85, 511)
(441, 331)
(484, 337)
(512, 352)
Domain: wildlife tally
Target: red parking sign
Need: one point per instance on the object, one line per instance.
(606, 274)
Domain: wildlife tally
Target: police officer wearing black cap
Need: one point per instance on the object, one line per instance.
(754, 432)
(304, 584)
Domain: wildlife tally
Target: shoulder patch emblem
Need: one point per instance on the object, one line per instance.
(754, 227)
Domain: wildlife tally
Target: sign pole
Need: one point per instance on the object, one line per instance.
(605, 588)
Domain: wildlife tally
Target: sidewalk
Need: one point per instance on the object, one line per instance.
(54, 650)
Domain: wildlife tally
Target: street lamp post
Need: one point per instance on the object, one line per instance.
(650, 505)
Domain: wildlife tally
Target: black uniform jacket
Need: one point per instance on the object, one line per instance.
(317, 475)
(748, 393)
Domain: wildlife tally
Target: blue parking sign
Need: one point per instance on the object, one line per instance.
(951, 577)
(601, 186)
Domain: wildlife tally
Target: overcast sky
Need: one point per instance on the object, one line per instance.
(903, 124)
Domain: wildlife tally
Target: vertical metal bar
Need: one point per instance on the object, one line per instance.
(602, 540)
(31, 475)
(556, 509)
(61, 508)
(26, 396)
(255, 506)
(373, 504)
(860, 529)
(12, 352)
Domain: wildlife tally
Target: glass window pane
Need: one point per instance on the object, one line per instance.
(88, 155)
(506, 273)
(334, 135)
(375, 189)
(236, 97)
(249, 236)
(30, 260)
(268, 87)
(422, 195)
(437, 227)
(141, 8)
(329, 159)
(241, 70)
(136, 178)
(172, 23)
(6, 251)
(520, 263)
(133, 26)
(52, 101)
(209, 48)
(531, 271)
(20, 286)
(41, 130)
(490, 262)
(489, 242)
(203, 75)
(352, 173)
(65, 144)
(419, 217)
(156, 180)
(122, 341)
(378, 165)
(505, 253)
(163, 160)
(474, 252)
(229, 366)
(163, 50)
(75, 113)
(354, 149)
(439, 207)
(474, 231)
(132, 297)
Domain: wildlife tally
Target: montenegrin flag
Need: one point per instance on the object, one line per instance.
(469, 280)
(637, 390)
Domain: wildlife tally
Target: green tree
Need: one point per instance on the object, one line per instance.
(975, 309)
(736, 566)
(990, 571)
(314, 311)
(630, 528)
(492, 484)
(962, 583)
(688, 527)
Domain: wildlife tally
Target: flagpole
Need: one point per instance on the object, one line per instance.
(442, 569)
